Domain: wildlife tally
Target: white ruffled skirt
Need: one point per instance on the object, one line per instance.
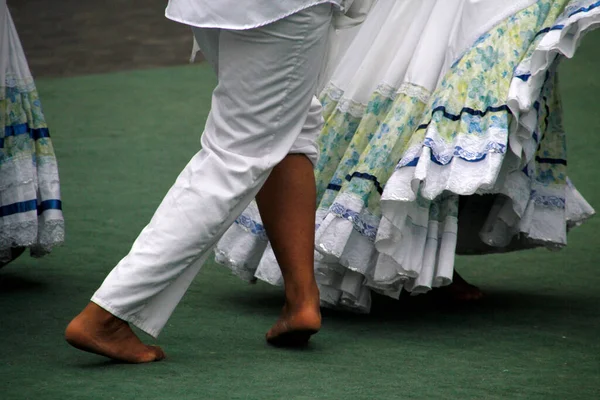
(30, 203)
(443, 135)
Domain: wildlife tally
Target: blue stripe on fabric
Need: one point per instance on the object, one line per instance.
(536, 106)
(413, 162)
(21, 129)
(53, 204)
(555, 161)
(547, 117)
(14, 130)
(334, 187)
(585, 9)
(39, 133)
(546, 30)
(30, 205)
(369, 177)
(523, 77)
(468, 110)
(17, 208)
(465, 110)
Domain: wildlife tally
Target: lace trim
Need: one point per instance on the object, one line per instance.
(357, 109)
(467, 148)
(333, 92)
(340, 209)
(387, 91)
(547, 200)
(348, 106)
(415, 91)
(41, 237)
(252, 226)
(238, 268)
(358, 218)
(12, 80)
(51, 234)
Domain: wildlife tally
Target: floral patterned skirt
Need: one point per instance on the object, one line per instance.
(30, 206)
(442, 135)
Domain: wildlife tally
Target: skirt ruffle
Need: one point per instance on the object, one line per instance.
(458, 147)
(30, 204)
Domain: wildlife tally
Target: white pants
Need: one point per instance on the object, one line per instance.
(263, 108)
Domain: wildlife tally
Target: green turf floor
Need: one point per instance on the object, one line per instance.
(122, 138)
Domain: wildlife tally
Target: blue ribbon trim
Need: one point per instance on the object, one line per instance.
(551, 28)
(361, 175)
(464, 110)
(30, 205)
(368, 177)
(22, 129)
(585, 9)
(555, 161)
(525, 77)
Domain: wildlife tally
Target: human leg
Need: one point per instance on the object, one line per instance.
(267, 78)
(287, 203)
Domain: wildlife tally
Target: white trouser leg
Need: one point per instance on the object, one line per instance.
(267, 78)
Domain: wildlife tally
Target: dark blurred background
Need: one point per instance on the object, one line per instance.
(74, 37)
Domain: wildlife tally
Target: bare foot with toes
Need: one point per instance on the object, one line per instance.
(97, 331)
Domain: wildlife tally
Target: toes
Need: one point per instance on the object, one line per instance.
(152, 353)
(159, 353)
(277, 329)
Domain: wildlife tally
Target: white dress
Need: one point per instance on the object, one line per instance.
(30, 204)
(430, 102)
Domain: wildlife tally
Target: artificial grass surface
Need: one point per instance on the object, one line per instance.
(121, 139)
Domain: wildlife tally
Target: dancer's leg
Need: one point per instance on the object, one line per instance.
(287, 204)
(267, 77)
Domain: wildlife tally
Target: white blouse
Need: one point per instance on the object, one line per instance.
(238, 15)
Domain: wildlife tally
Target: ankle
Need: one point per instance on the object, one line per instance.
(301, 296)
(99, 315)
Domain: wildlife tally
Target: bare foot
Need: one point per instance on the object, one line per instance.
(296, 324)
(300, 317)
(97, 331)
(461, 290)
